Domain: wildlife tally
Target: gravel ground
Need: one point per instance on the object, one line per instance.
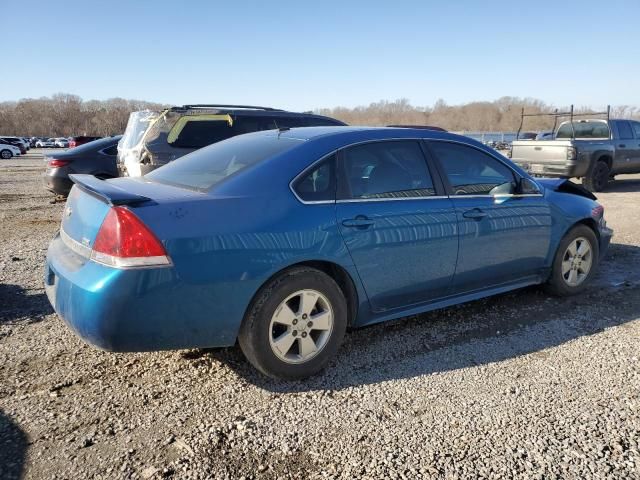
(517, 386)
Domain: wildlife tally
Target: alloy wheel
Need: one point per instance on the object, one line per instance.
(301, 326)
(577, 262)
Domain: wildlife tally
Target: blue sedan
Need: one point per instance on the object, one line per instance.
(283, 239)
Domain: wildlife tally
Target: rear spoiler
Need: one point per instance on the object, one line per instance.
(105, 191)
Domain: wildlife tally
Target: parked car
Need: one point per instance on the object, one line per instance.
(81, 140)
(98, 158)
(594, 150)
(283, 239)
(46, 143)
(153, 139)
(16, 142)
(544, 136)
(8, 151)
(527, 136)
(61, 142)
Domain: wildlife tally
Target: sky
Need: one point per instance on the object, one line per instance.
(303, 55)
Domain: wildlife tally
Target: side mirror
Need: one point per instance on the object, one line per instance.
(528, 187)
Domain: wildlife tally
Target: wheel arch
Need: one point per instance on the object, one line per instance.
(604, 156)
(337, 272)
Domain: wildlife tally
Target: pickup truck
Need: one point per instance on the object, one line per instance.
(594, 150)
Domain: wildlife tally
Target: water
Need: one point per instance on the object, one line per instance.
(490, 136)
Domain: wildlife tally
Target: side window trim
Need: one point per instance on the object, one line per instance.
(449, 189)
(342, 191)
(310, 168)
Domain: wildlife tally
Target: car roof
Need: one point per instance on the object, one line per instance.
(349, 133)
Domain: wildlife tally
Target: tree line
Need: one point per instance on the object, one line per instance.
(66, 115)
(502, 115)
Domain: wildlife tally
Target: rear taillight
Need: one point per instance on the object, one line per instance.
(54, 162)
(124, 241)
(571, 153)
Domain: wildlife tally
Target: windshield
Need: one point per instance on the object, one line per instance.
(584, 130)
(207, 167)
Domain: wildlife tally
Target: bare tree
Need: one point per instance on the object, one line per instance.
(64, 114)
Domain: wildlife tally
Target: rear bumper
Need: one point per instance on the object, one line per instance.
(561, 169)
(136, 310)
(606, 234)
(58, 184)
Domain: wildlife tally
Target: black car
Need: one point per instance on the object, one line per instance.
(97, 158)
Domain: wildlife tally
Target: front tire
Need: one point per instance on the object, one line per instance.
(575, 262)
(295, 324)
(6, 154)
(598, 178)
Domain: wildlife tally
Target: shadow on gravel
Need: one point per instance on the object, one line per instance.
(624, 185)
(13, 449)
(18, 304)
(523, 322)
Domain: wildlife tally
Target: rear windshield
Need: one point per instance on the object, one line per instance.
(205, 168)
(584, 130)
(198, 134)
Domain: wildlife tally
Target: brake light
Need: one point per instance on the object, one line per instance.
(125, 241)
(54, 162)
(571, 153)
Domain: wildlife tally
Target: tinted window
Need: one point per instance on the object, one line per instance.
(111, 150)
(584, 130)
(319, 183)
(472, 172)
(321, 122)
(207, 167)
(391, 169)
(198, 134)
(636, 128)
(624, 131)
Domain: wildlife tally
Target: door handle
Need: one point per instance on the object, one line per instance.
(476, 214)
(360, 222)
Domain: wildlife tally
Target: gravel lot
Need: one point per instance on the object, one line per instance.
(518, 386)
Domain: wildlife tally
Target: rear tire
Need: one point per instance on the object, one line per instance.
(575, 262)
(295, 324)
(598, 177)
(6, 154)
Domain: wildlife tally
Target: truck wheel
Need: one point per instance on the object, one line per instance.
(598, 178)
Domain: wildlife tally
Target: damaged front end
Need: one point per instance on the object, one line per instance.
(565, 186)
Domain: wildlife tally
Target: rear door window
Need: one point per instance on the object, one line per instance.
(389, 169)
(624, 130)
